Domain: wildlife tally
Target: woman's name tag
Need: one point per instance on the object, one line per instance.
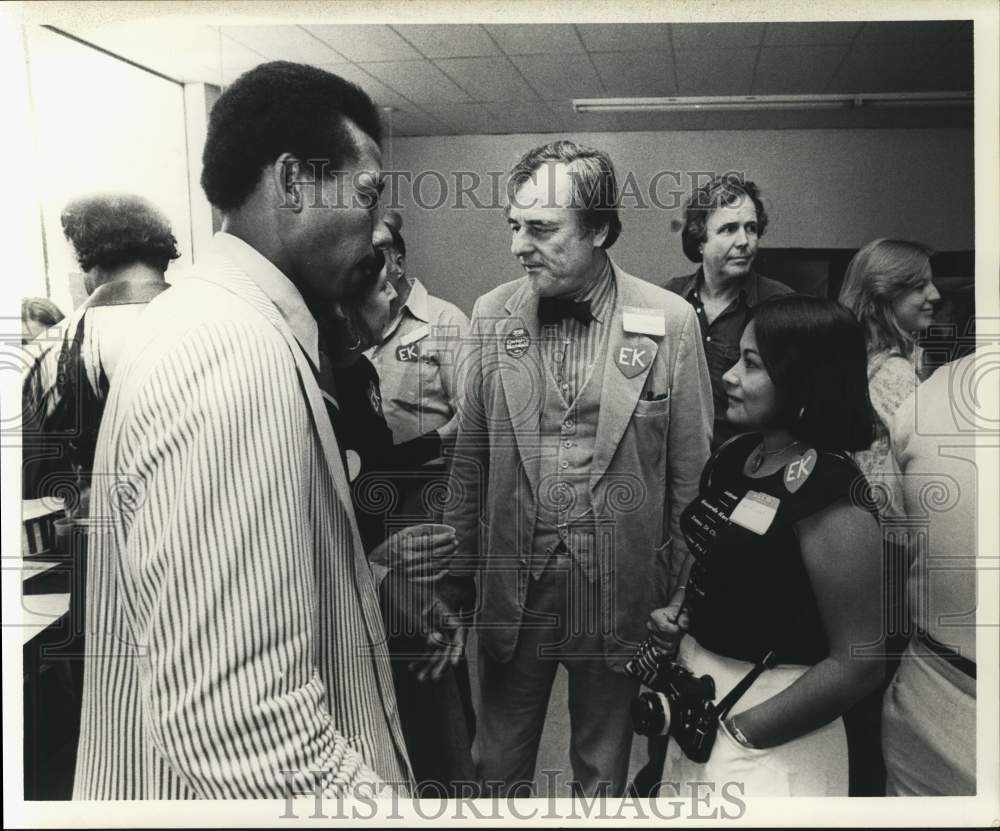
(755, 512)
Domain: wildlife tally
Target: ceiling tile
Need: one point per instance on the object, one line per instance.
(636, 74)
(467, 119)
(797, 119)
(183, 52)
(379, 92)
(904, 68)
(536, 39)
(570, 121)
(640, 122)
(915, 31)
(524, 117)
(796, 70)
(715, 72)
(366, 43)
(488, 79)
(713, 36)
(714, 121)
(900, 117)
(449, 40)
(624, 37)
(419, 81)
(809, 34)
(413, 123)
(236, 56)
(560, 76)
(284, 43)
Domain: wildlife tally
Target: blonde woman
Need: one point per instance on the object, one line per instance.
(890, 289)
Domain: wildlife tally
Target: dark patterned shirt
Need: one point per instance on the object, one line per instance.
(721, 337)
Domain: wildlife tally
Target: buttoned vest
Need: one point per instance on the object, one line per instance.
(567, 437)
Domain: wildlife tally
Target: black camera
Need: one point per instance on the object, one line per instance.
(680, 704)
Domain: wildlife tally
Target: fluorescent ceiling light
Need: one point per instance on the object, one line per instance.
(723, 103)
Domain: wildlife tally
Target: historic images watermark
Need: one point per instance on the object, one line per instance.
(430, 189)
(306, 798)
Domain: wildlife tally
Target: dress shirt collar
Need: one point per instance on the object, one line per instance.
(600, 293)
(278, 288)
(416, 305)
(749, 293)
(416, 302)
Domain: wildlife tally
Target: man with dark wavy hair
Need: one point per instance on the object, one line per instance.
(237, 648)
(724, 220)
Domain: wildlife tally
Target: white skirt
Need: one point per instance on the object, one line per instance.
(812, 765)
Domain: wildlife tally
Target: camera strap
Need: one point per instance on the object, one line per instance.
(736, 693)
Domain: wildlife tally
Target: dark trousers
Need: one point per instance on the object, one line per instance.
(438, 723)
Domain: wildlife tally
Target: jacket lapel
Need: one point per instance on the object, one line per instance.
(628, 355)
(224, 273)
(523, 375)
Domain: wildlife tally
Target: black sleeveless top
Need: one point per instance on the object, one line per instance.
(757, 596)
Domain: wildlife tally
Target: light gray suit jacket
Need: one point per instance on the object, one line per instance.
(648, 458)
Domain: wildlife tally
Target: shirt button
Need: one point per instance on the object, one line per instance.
(567, 443)
(568, 424)
(564, 465)
(548, 550)
(708, 338)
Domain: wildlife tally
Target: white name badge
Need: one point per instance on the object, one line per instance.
(419, 333)
(755, 512)
(638, 321)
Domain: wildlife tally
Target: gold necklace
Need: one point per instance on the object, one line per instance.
(762, 454)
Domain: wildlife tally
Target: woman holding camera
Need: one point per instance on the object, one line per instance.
(786, 561)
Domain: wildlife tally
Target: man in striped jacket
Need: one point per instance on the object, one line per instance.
(236, 648)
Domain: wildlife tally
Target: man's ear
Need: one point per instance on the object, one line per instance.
(601, 234)
(286, 180)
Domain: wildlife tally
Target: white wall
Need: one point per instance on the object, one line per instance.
(100, 124)
(822, 189)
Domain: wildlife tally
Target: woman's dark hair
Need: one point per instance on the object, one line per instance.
(281, 107)
(41, 310)
(814, 351)
(115, 229)
(718, 192)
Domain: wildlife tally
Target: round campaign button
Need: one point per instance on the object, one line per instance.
(517, 342)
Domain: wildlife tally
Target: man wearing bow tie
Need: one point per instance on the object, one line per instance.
(583, 429)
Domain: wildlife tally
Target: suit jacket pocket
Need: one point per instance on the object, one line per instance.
(652, 409)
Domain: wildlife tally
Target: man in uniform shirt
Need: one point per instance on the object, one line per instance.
(583, 429)
(723, 222)
(417, 354)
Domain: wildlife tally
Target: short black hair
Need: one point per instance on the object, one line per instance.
(717, 192)
(595, 186)
(280, 107)
(814, 350)
(115, 229)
